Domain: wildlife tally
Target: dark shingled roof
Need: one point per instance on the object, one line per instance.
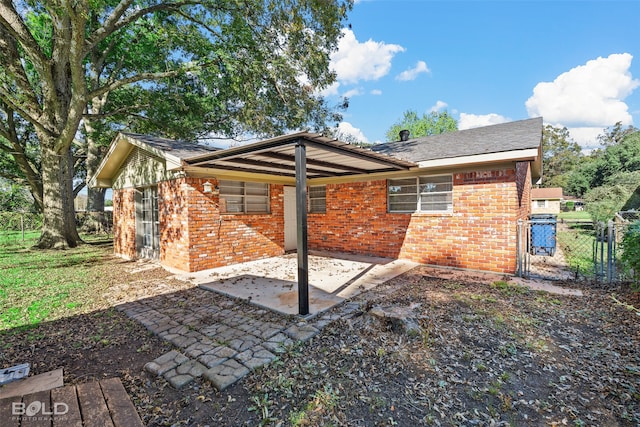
(179, 149)
(519, 135)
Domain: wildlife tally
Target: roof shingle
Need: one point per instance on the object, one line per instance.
(179, 149)
(512, 136)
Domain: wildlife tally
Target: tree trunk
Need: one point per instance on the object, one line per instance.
(59, 223)
(95, 199)
(95, 222)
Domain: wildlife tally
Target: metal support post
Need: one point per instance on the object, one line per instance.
(302, 233)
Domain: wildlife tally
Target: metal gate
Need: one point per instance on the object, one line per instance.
(583, 251)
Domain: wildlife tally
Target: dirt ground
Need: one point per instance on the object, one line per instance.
(484, 355)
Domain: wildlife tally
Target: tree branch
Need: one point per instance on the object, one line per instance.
(31, 116)
(133, 79)
(121, 110)
(109, 25)
(79, 188)
(11, 58)
(22, 160)
(114, 22)
(78, 84)
(10, 19)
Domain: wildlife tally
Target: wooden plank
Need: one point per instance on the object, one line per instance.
(92, 405)
(6, 412)
(123, 412)
(38, 409)
(46, 381)
(72, 417)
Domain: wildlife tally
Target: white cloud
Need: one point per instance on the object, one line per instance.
(438, 106)
(355, 61)
(587, 96)
(346, 128)
(352, 92)
(468, 121)
(586, 136)
(376, 92)
(332, 90)
(413, 73)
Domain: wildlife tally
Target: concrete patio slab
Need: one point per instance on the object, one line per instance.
(272, 282)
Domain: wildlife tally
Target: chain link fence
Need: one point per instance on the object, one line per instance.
(577, 241)
(25, 227)
(19, 227)
(584, 250)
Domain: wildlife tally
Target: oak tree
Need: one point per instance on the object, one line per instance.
(72, 71)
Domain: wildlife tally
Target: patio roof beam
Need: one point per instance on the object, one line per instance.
(301, 225)
(278, 166)
(360, 154)
(248, 170)
(237, 152)
(313, 162)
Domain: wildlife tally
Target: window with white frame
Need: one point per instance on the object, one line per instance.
(318, 199)
(245, 197)
(541, 203)
(421, 194)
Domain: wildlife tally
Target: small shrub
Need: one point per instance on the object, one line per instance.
(631, 251)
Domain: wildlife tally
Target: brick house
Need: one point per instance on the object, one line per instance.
(546, 200)
(450, 200)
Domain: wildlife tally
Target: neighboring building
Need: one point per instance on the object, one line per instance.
(546, 200)
(451, 200)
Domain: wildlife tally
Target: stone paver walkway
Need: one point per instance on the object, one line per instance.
(219, 338)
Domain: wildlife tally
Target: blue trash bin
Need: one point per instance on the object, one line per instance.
(543, 234)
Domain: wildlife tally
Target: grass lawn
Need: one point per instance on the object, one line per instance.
(577, 244)
(16, 238)
(575, 215)
(37, 286)
(484, 354)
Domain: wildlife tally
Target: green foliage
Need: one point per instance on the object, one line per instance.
(609, 179)
(621, 154)
(603, 202)
(433, 123)
(185, 70)
(631, 249)
(630, 181)
(15, 198)
(560, 156)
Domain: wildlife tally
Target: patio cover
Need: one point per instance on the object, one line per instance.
(301, 156)
(326, 157)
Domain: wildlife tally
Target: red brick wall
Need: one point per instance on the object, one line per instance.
(196, 236)
(124, 223)
(356, 221)
(173, 207)
(479, 234)
(523, 182)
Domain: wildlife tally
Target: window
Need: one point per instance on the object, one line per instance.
(318, 199)
(421, 194)
(541, 203)
(147, 224)
(245, 197)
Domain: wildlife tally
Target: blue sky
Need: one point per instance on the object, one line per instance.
(576, 63)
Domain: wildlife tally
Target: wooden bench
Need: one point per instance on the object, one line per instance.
(95, 404)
